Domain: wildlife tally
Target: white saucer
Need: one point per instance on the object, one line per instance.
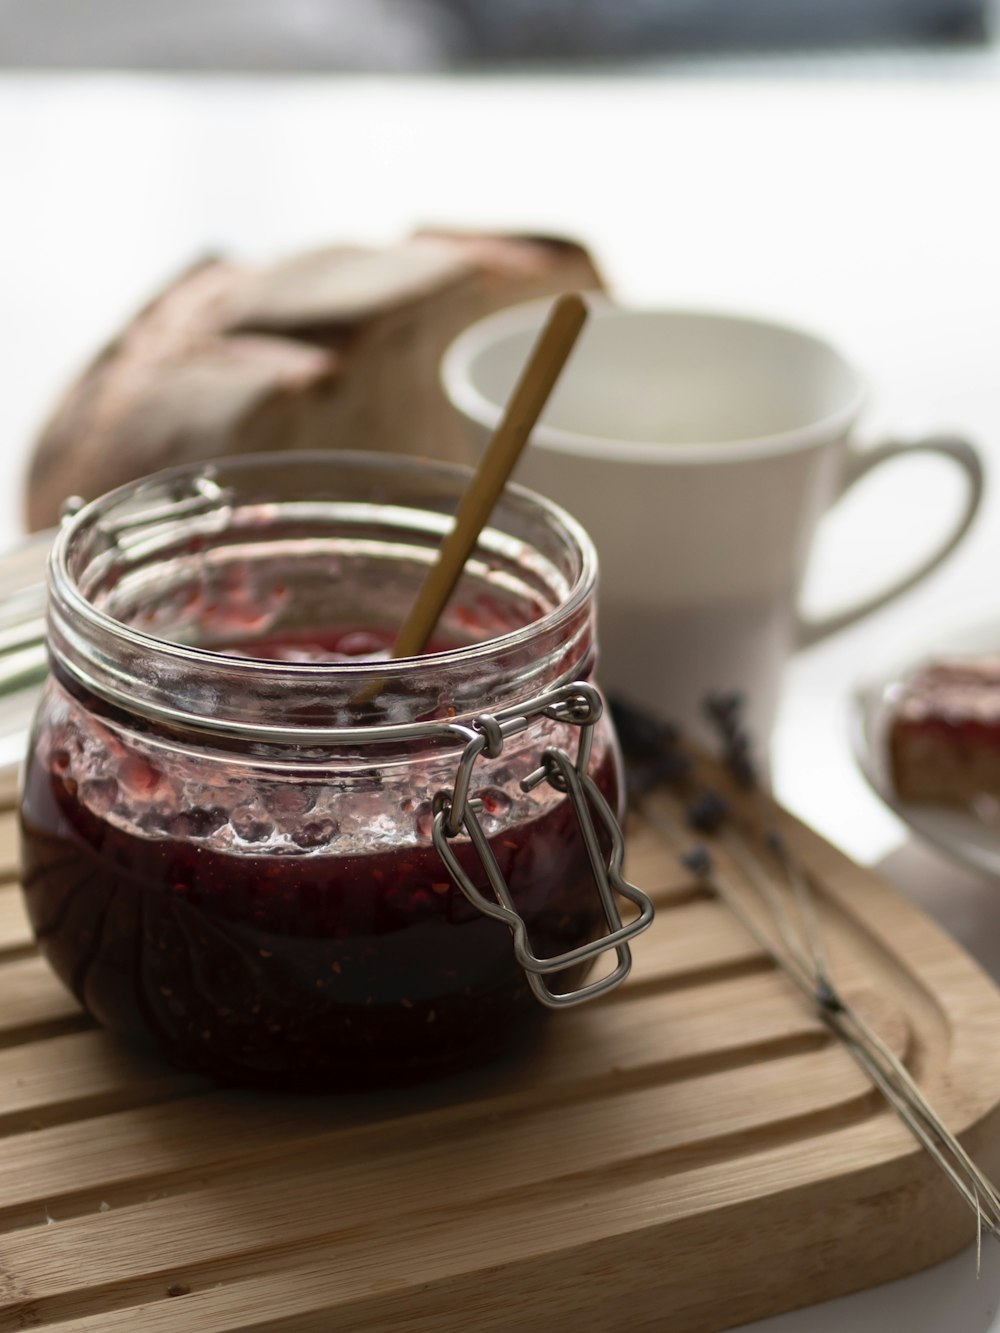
(962, 835)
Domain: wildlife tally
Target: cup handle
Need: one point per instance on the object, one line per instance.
(859, 465)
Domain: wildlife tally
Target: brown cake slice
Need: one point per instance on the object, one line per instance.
(944, 739)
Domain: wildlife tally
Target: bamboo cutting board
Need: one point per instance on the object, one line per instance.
(692, 1153)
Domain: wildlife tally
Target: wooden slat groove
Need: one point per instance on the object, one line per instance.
(10, 855)
(658, 1136)
(436, 1278)
(15, 953)
(16, 936)
(96, 1077)
(677, 896)
(164, 1147)
(692, 937)
(33, 1034)
(34, 1007)
(700, 975)
(297, 1157)
(84, 1108)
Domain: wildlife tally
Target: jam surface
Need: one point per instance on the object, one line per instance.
(316, 962)
(356, 644)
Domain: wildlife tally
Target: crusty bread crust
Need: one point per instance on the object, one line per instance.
(338, 348)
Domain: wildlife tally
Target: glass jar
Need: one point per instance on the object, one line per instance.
(253, 841)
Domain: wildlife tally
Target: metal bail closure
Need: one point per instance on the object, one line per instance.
(580, 704)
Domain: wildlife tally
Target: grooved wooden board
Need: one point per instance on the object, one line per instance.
(690, 1153)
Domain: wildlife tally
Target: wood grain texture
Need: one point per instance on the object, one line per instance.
(691, 1153)
(8, 846)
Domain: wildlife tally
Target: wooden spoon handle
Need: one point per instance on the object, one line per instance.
(548, 356)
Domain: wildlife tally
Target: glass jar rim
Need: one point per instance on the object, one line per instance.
(208, 478)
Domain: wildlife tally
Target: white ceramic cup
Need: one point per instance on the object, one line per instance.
(700, 451)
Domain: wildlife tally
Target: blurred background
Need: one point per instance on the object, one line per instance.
(416, 35)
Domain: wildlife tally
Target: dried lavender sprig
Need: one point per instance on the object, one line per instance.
(725, 712)
(865, 1044)
(801, 884)
(642, 735)
(877, 1059)
(652, 749)
(708, 811)
(869, 1050)
(808, 967)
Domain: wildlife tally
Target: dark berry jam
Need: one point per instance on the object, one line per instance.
(228, 802)
(313, 960)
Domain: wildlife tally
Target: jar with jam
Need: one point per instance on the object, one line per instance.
(254, 842)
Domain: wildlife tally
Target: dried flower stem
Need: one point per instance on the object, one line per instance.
(801, 953)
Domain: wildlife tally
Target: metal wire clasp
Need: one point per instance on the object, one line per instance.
(579, 704)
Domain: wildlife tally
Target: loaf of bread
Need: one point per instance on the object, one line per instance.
(333, 349)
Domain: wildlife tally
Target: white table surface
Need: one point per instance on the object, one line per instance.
(859, 199)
